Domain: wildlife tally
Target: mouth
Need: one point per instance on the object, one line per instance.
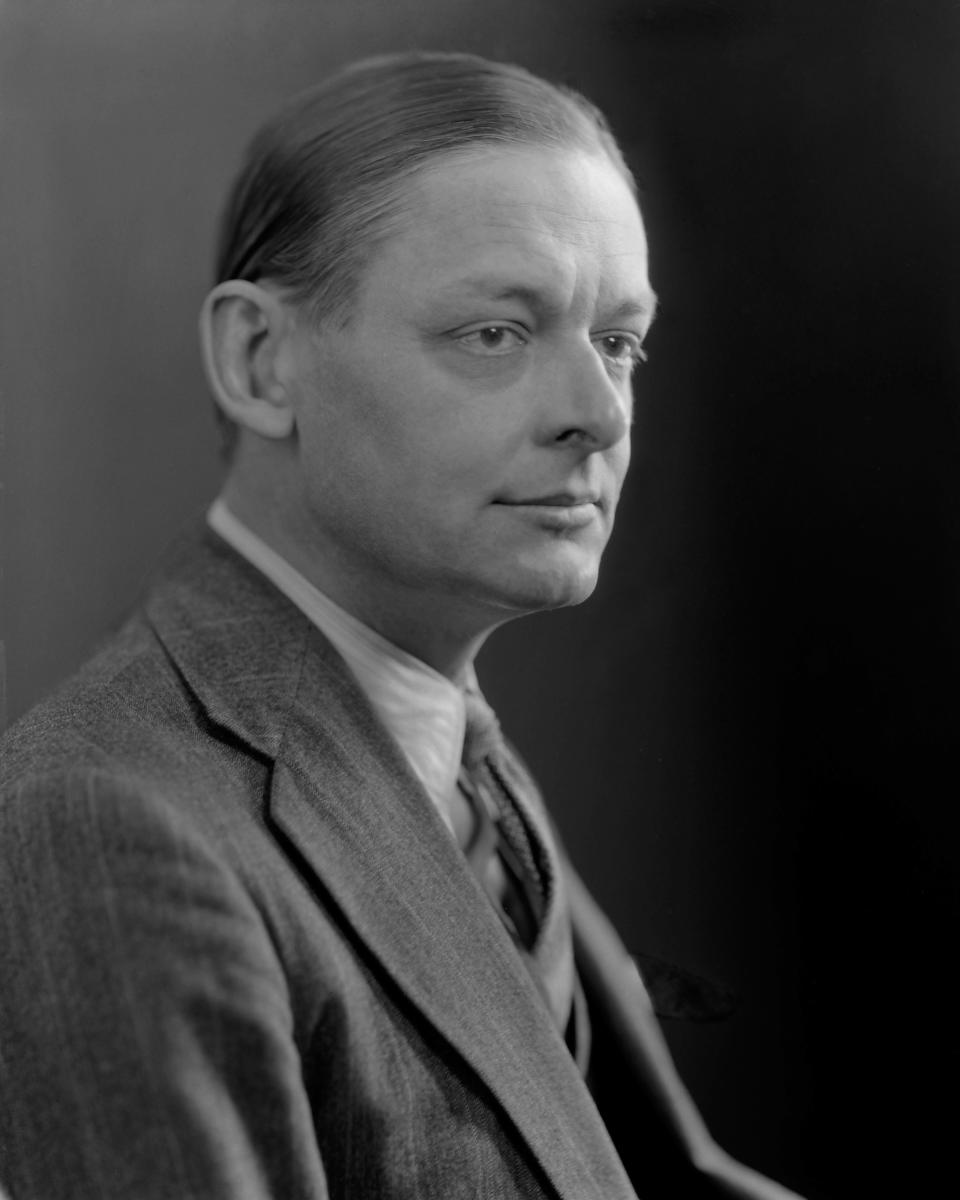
(557, 500)
(560, 510)
(563, 500)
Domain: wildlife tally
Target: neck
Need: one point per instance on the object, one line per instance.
(438, 631)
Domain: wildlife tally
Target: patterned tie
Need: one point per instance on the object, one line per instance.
(516, 863)
(507, 861)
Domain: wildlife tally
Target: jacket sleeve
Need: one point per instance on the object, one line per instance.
(146, 1039)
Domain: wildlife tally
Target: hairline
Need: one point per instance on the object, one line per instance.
(394, 210)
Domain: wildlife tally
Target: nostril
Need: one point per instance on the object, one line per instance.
(572, 435)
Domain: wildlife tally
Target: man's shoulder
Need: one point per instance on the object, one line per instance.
(124, 759)
(130, 707)
(189, 703)
(122, 706)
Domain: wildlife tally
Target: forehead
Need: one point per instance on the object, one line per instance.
(559, 226)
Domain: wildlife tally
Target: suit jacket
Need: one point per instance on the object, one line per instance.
(240, 955)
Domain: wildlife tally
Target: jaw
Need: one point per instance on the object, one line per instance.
(557, 575)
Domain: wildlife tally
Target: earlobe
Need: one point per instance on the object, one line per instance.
(242, 328)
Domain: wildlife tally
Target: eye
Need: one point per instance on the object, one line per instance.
(492, 340)
(621, 349)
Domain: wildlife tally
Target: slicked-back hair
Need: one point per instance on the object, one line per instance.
(323, 180)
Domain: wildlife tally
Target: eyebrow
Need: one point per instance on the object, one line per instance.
(639, 308)
(496, 289)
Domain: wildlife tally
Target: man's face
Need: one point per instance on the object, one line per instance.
(463, 440)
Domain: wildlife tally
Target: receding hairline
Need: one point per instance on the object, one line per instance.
(406, 207)
(540, 114)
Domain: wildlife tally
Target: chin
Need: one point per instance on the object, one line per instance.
(538, 591)
(508, 585)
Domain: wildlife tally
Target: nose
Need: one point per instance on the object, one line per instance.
(586, 408)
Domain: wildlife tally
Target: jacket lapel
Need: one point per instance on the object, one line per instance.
(343, 794)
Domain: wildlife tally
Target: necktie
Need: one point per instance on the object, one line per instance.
(501, 852)
(515, 863)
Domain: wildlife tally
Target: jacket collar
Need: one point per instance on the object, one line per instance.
(238, 643)
(343, 794)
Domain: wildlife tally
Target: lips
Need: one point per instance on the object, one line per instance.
(558, 512)
(556, 500)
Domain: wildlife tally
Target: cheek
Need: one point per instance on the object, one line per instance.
(619, 459)
(399, 427)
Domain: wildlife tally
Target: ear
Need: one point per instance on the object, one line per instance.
(243, 329)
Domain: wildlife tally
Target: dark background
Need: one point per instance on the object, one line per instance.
(749, 735)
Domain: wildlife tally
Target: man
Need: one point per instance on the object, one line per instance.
(282, 915)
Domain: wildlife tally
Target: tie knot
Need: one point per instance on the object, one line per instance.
(482, 736)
